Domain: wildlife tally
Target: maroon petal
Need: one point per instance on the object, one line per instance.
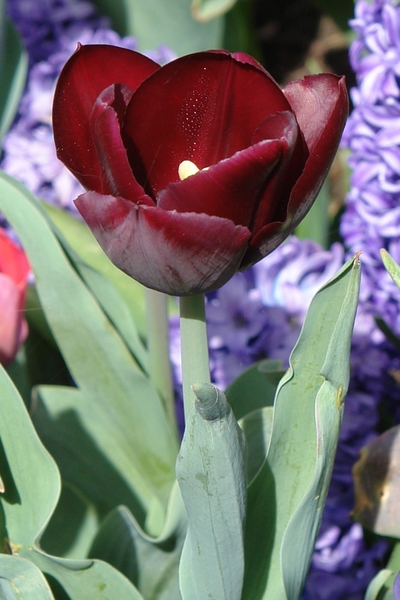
(320, 103)
(175, 253)
(116, 174)
(87, 73)
(203, 107)
(274, 201)
(230, 189)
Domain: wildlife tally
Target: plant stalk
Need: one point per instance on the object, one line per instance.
(158, 348)
(194, 347)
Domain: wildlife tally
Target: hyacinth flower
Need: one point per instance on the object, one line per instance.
(14, 271)
(184, 198)
(371, 219)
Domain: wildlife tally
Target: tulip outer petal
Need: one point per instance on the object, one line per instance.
(176, 253)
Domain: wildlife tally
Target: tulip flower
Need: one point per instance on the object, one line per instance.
(197, 169)
(14, 270)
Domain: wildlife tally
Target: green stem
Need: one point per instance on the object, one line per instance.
(194, 351)
(158, 348)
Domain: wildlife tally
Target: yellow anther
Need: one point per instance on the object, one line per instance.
(186, 169)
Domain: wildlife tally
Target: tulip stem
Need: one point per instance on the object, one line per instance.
(194, 342)
(158, 348)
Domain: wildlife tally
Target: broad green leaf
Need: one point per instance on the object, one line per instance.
(211, 473)
(115, 308)
(81, 239)
(2, 26)
(262, 380)
(257, 427)
(136, 436)
(21, 580)
(13, 70)
(205, 10)
(29, 474)
(62, 420)
(150, 563)
(153, 23)
(83, 579)
(375, 587)
(391, 267)
(78, 522)
(31, 485)
(286, 499)
(315, 225)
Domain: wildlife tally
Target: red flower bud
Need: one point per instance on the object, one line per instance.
(14, 270)
(197, 169)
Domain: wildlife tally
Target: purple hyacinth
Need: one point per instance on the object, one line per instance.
(28, 149)
(47, 24)
(372, 217)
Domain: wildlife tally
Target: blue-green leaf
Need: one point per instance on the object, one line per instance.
(13, 70)
(211, 472)
(257, 427)
(286, 498)
(255, 387)
(376, 585)
(30, 489)
(391, 267)
(150, 563)
(29, 475)
(154, 23)
(206, 10)
(136, 437)
(83, 579)
(79, 237)
(21, 580)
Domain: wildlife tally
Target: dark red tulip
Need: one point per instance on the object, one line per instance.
(196, 169)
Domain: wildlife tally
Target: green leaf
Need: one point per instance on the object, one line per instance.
(211, 475)
(29, 474)
(153, 23)
(84, 579)
(77, 521)
(136, 437)
(62, 418)
(315, 225)
(81, 240)
(257, 427)
(31, 485)
(205, 10)
(150, 563)
(21, 580)
(391, 267)
(13, 70)
(286, 499)
(376, 585)
(115, 308)
(262, 379)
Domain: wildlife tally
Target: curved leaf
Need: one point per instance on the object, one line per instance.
(211, 474)
(13, 70)
(21, 580)
(136, 437)
(30, 476)
(377, 584)
(286, 498)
